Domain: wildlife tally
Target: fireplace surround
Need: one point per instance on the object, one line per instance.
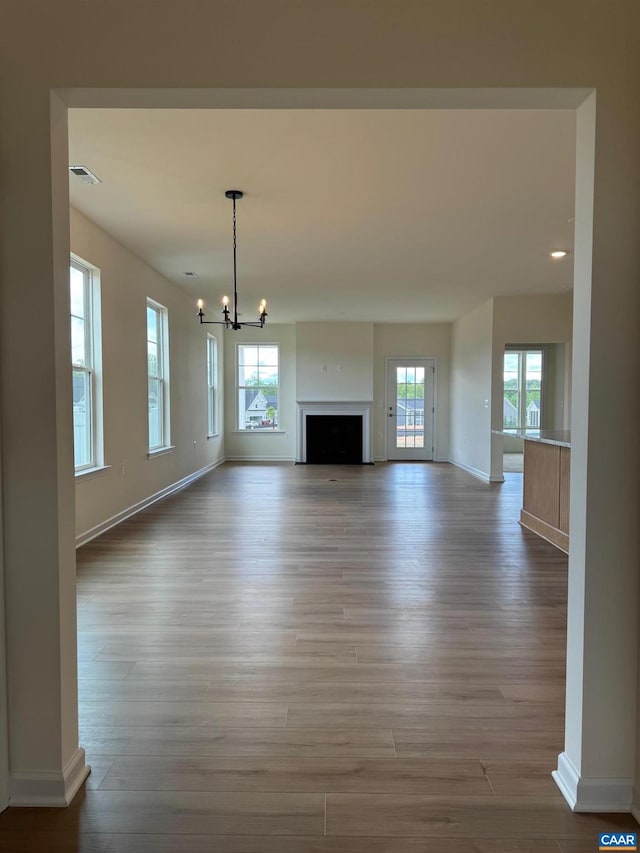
(361, 409)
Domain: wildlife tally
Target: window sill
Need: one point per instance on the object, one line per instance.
(89, 473)
(213, 435)
(160, 451)
(259, 432)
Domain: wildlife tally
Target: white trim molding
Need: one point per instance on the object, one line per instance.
(99, 529)
(160, 451)
(481, 475)
(311, 407)
(267, 459)
(592, 795)
(255, 432)
(90, 473)
(49, 788)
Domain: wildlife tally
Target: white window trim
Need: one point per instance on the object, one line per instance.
(238, 430)
(160, 451)
(522, 349)
(163, 379)
(93, 338)
(258, 432)
(90, 473)
(212, 428)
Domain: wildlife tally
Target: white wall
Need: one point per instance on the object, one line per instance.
(424, 340)
(4, 742)
(636, 781)
(532, 320)
(471, 352)
(250, 445)
(334, 361)
(126, 282)
(359, 349)
(446, 45)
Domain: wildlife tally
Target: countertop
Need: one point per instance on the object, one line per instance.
(559, 437)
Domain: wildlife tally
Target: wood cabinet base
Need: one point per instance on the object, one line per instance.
(547, 531)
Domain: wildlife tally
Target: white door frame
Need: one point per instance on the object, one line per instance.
(430, 362)
(4, 699)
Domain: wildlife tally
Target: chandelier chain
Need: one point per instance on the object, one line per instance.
(234, 224)
(235, 272)
(230, 318)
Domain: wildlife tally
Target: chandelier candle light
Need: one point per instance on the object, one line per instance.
(230, 320)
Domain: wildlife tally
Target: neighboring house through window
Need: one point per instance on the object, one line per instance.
(158, 376)
(258, 386)
(533, 413)
(522, 398)
(212, 385)
(410, 412)
(86, 359)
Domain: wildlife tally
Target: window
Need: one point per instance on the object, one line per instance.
(212, 385)
(257, 387)
(86, 358)
(522, 399)
(158, 376)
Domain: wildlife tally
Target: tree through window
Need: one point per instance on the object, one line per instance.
(522, 398)
(157, 375)
(86, 359)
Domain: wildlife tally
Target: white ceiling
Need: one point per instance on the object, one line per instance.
(371, 215)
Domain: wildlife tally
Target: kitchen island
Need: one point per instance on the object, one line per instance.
(545, 499)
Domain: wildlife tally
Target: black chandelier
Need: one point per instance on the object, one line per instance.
(230, 320)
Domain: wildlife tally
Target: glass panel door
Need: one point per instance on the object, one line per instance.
(409, 408)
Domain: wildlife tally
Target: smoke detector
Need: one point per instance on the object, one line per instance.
(85, 175)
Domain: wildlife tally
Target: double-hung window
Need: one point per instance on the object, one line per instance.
(86, 357)
(158, 376)
(522, 399)
(258, 380)
(212, 385)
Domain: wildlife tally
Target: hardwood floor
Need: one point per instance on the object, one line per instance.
(291, 659)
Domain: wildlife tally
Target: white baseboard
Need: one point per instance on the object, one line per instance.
(290, 459)
(592, 795)
(567, 778)
(99, 529)
(435, 459)
(481, 475)
(52, 789)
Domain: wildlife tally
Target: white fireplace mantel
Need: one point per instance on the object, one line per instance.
(320, 407)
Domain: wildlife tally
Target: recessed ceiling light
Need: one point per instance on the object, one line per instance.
(85, 175)
(559, 253)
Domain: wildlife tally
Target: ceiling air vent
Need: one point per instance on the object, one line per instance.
(85, 175)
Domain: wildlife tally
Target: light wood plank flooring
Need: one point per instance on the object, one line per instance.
(290, 659)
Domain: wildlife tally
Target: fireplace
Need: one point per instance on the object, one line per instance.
(334, 433)
(334, 439)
